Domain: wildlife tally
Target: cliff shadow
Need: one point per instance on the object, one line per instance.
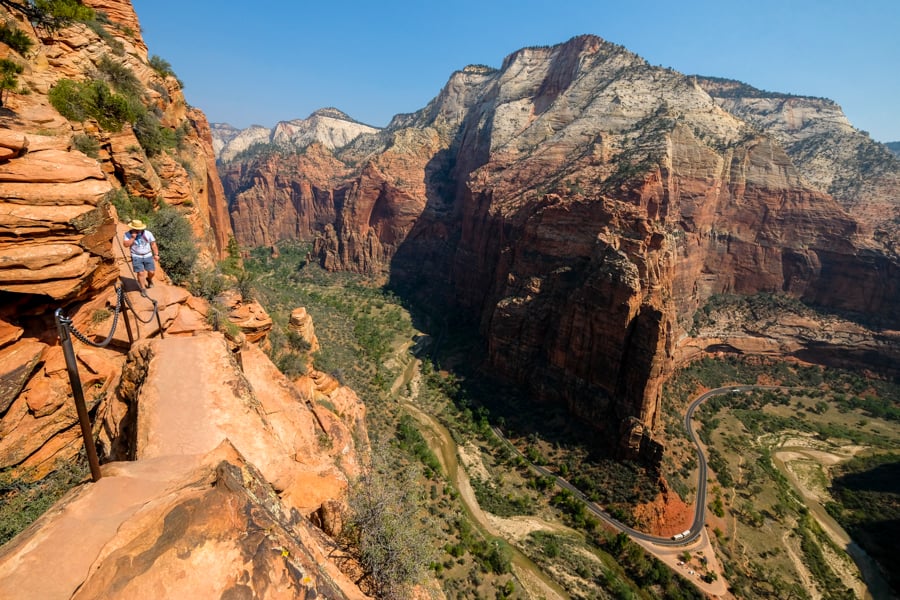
(870, 510)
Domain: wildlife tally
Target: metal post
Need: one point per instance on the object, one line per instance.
(124, 313)
(62, 324)
(162, 334)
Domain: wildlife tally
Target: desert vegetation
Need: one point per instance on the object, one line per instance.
(23, 499)
(778, 457)
(366, 334)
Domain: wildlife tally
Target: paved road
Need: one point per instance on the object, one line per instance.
(700, 500)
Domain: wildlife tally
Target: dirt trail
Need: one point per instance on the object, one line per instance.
(873, 584)
(532, 578)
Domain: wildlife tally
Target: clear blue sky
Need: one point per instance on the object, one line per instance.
(267, 61)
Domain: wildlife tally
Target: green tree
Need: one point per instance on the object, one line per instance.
(178, 251)
(15, 38)
(9, 77)
(161, 66)
(78, 101)
(50, 14)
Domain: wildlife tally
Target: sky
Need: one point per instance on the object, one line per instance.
(262, 62)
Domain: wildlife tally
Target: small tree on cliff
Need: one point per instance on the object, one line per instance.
(9, 77)
(385, 528)
(50, 14)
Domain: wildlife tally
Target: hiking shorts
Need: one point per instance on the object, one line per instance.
(143, 263)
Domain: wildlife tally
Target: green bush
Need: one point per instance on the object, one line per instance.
(207, 283)
(9, 77)
(119, 77)
(21, 501)
(296, 341)
(98, 26)
(175, 238)
(292, 365)
(86, 144)
(15, 38)
(161, 66)
(130, 207)
(154, 138)
(51, 14)
(79, 101)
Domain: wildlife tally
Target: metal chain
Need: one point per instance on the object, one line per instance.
(83, 338)
(134, 312)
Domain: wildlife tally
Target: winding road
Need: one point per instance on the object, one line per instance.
(702, 476)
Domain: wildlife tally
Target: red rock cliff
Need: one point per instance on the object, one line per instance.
(57, 247)
(581, 205)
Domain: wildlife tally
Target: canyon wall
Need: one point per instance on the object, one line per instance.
(580, 205)
(223, 476)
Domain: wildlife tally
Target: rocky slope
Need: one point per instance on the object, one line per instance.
(207, 466)
(280, 189)
(327, 126)
(580, 205)
(215, 484)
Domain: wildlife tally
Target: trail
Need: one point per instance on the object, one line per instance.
(535, 582)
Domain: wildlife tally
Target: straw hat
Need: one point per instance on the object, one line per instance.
(137, 224)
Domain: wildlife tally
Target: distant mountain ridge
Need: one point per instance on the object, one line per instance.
(894, 147)
(580, 205)
(327, 126)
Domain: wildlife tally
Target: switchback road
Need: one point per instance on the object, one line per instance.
(700, 500)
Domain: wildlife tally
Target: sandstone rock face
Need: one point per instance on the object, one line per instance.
(301, 322)
(580, 205)
(57, 228)
(122, 13)
(252, 319)
(288, 198)
(835, 157)
(764, 326)
(199, 527)
(228, 468)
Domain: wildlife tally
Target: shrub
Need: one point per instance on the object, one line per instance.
(384, 527)
(174, 236)
(22, 501)
(100, 315)
(296, 341)
(161, 66)
(78, 101)
(98, 26)
(52, 14)
(292, 365)
(130, 207)
(15, 38)
(119, 77)
(207, 283)
(154, 138)
(86, 144)
(9, 77)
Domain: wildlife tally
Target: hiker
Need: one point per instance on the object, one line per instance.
(143, 252)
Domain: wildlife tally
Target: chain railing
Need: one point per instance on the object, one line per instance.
(83, 338)
(67, 331)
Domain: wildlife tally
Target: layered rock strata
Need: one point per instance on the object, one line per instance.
(831, 154)
(227, 469)
(580, 205)
(58, 238)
